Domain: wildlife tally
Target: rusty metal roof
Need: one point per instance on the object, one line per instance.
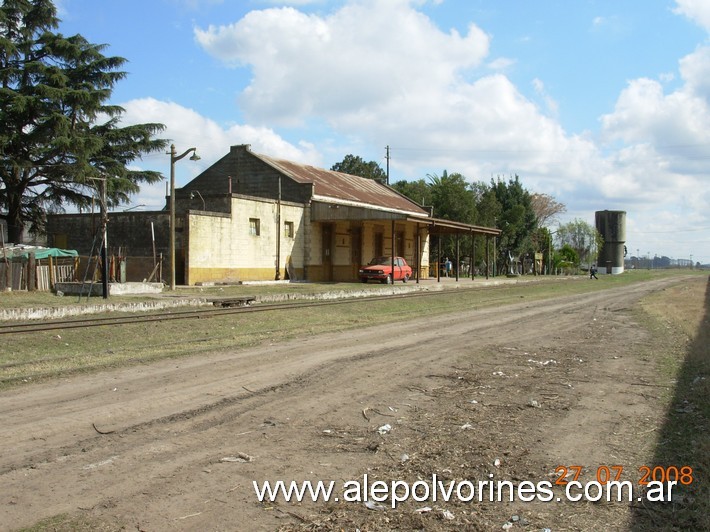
(346, 188)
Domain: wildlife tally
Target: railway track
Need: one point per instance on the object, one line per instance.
(104, 321)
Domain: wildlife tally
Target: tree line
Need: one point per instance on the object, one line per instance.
(523, 217)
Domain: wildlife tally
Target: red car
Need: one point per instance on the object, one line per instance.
(380, 269)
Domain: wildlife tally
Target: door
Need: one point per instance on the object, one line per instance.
(356, 249)
(399, 240)
(379, 244)
(327, 252)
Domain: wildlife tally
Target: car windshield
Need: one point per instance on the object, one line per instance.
(380, 260)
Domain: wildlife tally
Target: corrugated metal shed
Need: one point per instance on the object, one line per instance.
(346, 188)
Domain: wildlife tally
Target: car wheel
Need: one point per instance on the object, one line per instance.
(364, 280)
(388, 280)
(406, 278)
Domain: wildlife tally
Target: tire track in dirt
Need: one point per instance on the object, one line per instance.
(172, 421)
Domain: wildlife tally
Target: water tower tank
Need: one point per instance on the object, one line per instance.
(612, 226)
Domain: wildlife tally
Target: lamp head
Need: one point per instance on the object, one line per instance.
(194, 156)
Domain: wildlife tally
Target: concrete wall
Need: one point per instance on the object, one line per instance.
(218, 246)
(130, 237)
(222, 248)
(130, 231)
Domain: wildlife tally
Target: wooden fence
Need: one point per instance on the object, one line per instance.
(15, 273)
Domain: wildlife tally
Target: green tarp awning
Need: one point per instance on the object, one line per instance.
(40, 253)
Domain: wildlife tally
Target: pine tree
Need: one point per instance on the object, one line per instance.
(59, 136)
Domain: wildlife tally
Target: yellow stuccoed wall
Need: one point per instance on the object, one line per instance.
(220, 248)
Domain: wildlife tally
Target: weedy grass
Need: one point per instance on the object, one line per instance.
(679, 319)
(37, 356)
(73, 523)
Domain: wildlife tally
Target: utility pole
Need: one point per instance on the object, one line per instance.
(104, 240)
(103, 251)
(387, 158)
(173, 159)
(277, 277)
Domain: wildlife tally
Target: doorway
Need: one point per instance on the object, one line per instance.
(379, 244)
(327, 252)
(399, 244)
(356, 249)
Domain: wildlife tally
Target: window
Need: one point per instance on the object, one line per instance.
(254, 229)
(288, 229)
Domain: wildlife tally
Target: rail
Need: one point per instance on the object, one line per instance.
(102, 321)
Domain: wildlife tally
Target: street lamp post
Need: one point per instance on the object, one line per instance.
(173, 159)
(197, 193)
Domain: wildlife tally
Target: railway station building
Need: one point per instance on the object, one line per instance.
(254, 217)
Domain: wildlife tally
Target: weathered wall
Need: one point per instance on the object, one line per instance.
(222, 249)
(344, 267)
(130, 231)
(247, 175)
(129, 235)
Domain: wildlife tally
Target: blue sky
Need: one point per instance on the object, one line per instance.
(601, 104)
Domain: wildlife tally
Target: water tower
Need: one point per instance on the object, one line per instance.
(612, 226)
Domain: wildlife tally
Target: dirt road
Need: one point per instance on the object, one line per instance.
(528, 387)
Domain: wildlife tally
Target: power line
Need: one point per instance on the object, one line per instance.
(696, 229)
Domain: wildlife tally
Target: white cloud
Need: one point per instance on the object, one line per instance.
(645, 113)
(611, 26)
(186, 128)
(662, 170)
(696, 10)
(550, 102)
(409, 85)
(428, 94)
(695, 71)
(367, 54)
(501, 63)
(404, 84)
